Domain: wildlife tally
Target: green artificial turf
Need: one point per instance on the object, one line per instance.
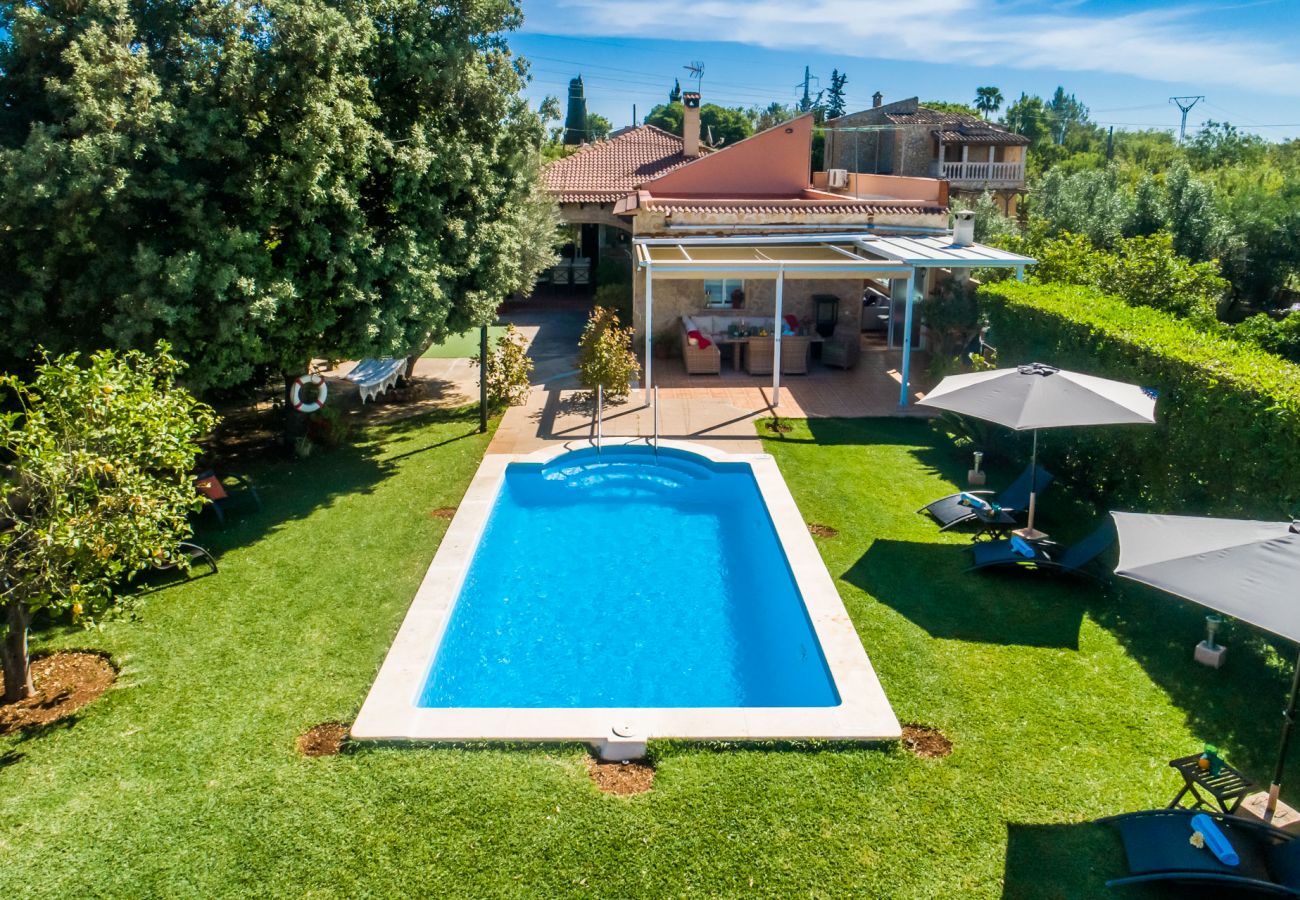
(182, 781)
(464, 344)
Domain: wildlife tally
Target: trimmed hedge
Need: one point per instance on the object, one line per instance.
(1228, 435)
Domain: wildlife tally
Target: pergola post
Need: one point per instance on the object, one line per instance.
(907, 338)
(776, 342)
(649, 330)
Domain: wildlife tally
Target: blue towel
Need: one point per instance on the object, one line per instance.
(1215, 840)
(1022, 547)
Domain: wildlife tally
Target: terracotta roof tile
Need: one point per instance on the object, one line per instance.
(971, 136)
(959, 127)
(794, 207)
(607, 170)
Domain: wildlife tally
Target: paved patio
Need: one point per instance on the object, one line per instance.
(718, 410)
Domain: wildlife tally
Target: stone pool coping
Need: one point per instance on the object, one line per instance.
(390, 714)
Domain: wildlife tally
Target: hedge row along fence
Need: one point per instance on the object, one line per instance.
(1227, 440)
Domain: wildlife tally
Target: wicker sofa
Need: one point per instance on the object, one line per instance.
(758, 350)
(699, 360)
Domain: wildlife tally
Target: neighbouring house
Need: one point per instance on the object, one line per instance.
(749, 230)
(906, 138)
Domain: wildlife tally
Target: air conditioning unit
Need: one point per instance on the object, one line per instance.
(837, 178)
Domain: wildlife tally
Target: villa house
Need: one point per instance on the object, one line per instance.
(749, 230)
(906, 138)
(589, 183)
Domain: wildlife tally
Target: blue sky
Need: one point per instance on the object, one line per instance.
(1123, 58)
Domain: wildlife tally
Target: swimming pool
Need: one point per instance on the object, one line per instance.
(592, 596)
(664, 585)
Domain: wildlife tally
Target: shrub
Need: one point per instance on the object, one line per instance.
(616, 297)
(1228, 413)
(508, 370)
(1143, 270)
(1280, 336)
(605, 356)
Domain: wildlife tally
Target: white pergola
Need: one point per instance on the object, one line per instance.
(809, 256)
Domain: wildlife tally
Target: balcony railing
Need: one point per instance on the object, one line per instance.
(985, 172)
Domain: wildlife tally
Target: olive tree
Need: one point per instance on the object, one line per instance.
(96, 486)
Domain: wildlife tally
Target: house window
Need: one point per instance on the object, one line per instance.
(718, 291)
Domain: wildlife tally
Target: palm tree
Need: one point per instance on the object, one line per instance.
(988, 100)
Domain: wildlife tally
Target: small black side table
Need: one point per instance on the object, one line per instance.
(1227, 789)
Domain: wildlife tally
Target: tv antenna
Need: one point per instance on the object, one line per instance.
(696, 70)
(1185, 104)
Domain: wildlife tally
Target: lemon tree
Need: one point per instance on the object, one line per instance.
(95, 485)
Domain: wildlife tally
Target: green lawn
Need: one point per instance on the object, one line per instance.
(183, 780)
(463, 344)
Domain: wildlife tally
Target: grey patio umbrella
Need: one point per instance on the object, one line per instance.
(1245, 569)
(1036, 396)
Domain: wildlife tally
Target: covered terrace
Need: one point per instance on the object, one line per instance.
(909, 262)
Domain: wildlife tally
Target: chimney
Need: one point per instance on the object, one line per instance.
(690, 123)
(963, 229)
(877, 99)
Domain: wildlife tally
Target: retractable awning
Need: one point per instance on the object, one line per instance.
(721, 258)
(938, 251)
(849, 254)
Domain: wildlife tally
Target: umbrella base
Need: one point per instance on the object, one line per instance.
(1030, 534)
(1214, 657)
(1284, 817)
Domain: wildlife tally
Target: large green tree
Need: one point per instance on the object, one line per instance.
(95, 485)
(835, 100)
(262, 183)
(728, 125)
(988, 99)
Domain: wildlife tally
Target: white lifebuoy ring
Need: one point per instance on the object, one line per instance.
(295, 394)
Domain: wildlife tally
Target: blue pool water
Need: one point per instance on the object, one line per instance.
(622, 580)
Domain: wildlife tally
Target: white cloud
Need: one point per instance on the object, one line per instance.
(1162, 45)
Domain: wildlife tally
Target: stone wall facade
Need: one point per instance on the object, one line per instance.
(674, 298)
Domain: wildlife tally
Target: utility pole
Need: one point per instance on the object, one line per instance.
(807, 102)
(1110, 144)
(1185, 104)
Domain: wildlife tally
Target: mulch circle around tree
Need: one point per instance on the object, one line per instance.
(443, 512)
(325, 739)
(622, 778)
(65, 682)
(926, 741)
(825, 531)
(778, 426)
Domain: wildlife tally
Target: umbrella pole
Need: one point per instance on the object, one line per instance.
(1288, 720)
(1029, 532)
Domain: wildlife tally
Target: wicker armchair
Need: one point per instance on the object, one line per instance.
(759, 352)
(843, 348)
(700, 360)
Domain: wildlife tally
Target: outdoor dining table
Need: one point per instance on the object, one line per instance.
(736, 341)
(1228, 788)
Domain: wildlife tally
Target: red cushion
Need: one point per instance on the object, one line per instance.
(700, 340)
(211, 488)
(793, 321)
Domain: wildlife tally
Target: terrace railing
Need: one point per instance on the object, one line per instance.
(1002, 172)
